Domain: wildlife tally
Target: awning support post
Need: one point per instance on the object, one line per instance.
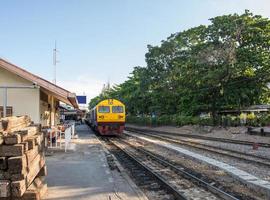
(4, 102)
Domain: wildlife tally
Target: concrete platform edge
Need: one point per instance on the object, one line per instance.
(134, 187)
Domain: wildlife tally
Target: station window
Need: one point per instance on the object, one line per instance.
(117, 109)
(9, 111)
(104, 109)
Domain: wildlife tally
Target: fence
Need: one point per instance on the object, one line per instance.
(58, 138)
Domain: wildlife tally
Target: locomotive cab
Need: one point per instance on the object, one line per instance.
(108, 117)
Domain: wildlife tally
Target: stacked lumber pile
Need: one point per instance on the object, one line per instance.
(22, 160)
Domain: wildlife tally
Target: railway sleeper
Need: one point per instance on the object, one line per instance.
(195, 177)
(167, 190)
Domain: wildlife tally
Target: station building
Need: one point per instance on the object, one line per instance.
(29, 94)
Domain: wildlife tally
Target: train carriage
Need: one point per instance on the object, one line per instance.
(108, 117)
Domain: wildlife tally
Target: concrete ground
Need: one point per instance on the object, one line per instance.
(83, 173)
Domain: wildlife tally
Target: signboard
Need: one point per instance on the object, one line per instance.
(81, 99)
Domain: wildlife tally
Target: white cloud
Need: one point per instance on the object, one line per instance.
(83, 84)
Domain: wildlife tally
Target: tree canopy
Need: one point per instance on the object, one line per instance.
(224, 65)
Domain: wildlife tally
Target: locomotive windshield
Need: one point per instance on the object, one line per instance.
(117, 109)
(104, 109)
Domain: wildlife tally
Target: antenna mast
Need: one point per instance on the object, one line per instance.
(55, 61)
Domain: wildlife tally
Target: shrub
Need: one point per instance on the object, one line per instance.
(206, 122)
(252, 120)
(181, 120)
(141, 120)
(264, 120)
(164, 120)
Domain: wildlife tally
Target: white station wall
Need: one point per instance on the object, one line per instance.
(23, 101)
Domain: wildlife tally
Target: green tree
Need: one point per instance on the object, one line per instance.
(224, 65)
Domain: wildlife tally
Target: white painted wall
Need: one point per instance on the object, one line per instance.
(23, 101)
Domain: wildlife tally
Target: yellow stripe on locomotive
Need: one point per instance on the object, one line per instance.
(111, 110)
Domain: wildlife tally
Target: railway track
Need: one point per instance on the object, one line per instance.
(149, 181)
(163, 176)
(266, 145)
(256, 159)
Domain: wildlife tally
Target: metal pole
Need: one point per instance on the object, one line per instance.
(55, 61)
(4, 102)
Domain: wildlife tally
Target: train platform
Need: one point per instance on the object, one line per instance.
(83, 173)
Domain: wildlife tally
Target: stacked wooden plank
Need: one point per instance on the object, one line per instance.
(22, 161)
(11, 124)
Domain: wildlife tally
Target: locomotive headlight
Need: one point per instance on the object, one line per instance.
(101, 117)
(120, 116)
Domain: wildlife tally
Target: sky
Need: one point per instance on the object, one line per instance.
(99, 41)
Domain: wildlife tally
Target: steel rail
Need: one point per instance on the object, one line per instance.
(186, 174)
(225, 140)
(166, 185)
(217, 150)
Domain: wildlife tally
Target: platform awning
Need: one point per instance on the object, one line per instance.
(60, 93)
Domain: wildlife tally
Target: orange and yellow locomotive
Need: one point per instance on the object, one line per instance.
(108, 117)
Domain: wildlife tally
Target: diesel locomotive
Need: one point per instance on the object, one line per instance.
(107, 117)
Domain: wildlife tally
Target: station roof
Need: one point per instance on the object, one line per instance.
(60, 93)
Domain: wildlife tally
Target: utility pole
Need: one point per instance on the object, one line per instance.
(55, 61)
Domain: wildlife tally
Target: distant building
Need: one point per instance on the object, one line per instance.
(264, 108)
(40, 102)
(68, 113)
